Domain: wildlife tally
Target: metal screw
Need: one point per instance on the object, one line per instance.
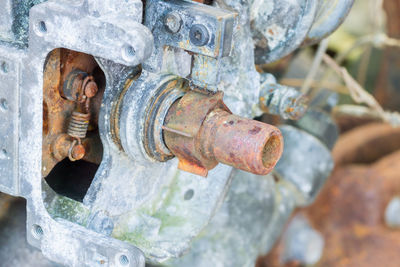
(199, 35)
(173, 22)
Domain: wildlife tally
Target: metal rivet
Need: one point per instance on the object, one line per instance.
(173, 22)
(199, 35)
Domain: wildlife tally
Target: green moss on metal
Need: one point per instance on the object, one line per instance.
(158, 210)
(69, 209)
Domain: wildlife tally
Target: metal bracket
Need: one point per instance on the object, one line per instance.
(191, 26)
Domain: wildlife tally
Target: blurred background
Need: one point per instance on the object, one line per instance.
(355, 221)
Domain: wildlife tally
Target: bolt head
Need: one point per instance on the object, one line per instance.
(173, 22)
(91, 89)
(199, 35)
(78, 152)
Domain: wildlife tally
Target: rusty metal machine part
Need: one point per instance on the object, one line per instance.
(169, 92)
(64, 147)
(201, 131)
(281, 100)
(106, 98)
(197, 127)
(78, 124)
(66, 83)
(80, 88)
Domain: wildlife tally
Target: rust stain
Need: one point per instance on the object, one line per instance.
(57, 110)
(255, 130)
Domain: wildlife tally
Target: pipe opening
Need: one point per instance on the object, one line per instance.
(272, 151)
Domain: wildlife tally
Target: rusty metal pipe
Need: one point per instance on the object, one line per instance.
(201, 131)
(245, 144)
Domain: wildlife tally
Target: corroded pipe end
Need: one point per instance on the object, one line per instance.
(201, 131)
(245, 144)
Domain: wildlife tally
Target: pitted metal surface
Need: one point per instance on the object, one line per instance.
(279, 27)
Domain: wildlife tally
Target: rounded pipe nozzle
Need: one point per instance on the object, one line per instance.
(201, 131)
(243, 143)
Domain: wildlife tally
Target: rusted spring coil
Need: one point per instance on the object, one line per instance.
(78, 124)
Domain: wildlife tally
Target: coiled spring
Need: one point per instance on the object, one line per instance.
(78, 124)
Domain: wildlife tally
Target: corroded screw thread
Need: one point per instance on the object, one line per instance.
(78, 124)
(284, 101)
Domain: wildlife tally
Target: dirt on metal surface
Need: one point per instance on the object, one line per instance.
(201, 131)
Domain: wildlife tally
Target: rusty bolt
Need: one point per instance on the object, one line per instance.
(78, 86)
(78, 152)
(60, 146)
(91, 89)
(72, 88)
(201, 131)
(63, 146)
